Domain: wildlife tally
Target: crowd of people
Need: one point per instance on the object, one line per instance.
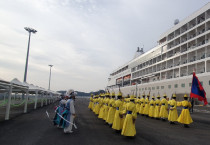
(121, 112)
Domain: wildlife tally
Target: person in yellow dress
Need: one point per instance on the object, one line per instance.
(146, 108)
(101, 104)
(117, 117)
(157, 108)
(185, 117)
(164, 108)
(173, 115)
(129, 128)
(112, 110)
(142, 100)
(91, 102)
(138, 104)
(125, 101)
(96, 109)
(94, 103)
(152, 107)
(106, 107)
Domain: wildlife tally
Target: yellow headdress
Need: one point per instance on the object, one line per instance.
(113, 94)
(107, 94)
(119, 94)
(131, 97)
(185, 96)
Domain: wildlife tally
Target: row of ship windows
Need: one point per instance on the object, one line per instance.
(184, 70)
(119, 71)
(183, 48)
(198, 31)
(197, 55)
(202, 17)
(169, 86)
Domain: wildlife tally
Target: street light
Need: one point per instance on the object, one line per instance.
(50, 75)
(30, 30)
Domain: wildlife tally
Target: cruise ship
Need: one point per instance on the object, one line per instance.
(168, 67)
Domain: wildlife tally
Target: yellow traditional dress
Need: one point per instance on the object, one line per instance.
(152, 108)
(163, 108)
(106, 109)
(101, 112)
(94, 104)
(129, 128)
(173, 115)
(111, 112)
(138, 103)
(117, 119)
(141, 110)
(90, 103)
(157, 108)
(125, 101)
(146, 108)
(97, 107)
(185, 117)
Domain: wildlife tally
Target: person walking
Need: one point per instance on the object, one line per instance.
(118, 113)
(173, 115)
(58, 121)
(157, 108)
(184, 117)
(142, 100)
(146, 108)
(164, 108)
(152, 107)
(69, 113)
(129, 128)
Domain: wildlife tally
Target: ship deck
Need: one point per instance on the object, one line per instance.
(35, 128)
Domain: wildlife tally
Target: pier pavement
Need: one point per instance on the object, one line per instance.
(35, 128)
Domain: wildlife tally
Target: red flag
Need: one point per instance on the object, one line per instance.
(197, 90)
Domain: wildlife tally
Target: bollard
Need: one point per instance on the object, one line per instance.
(8, 103)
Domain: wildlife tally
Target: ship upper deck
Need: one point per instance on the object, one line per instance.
(186, 49)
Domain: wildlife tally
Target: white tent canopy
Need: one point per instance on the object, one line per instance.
(4, 86)
(17, 82)
(22, 87)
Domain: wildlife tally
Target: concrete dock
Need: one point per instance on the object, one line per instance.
(35, 128)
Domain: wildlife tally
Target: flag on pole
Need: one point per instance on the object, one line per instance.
(197, 90)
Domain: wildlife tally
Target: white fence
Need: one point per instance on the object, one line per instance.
(17, 98)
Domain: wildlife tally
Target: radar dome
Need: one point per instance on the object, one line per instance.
(176, 21)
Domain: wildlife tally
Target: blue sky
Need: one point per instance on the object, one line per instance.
(85, 40)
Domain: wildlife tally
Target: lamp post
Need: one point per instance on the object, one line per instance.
(30, 30)
(50, 75)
